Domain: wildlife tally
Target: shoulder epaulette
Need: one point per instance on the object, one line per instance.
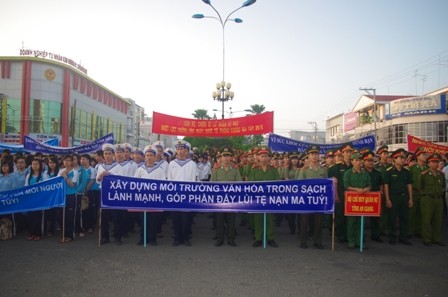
(390, 168)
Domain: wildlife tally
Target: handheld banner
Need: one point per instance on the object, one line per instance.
(430, 147)
(362, 204)
(18, 148)
(248, 125)
(40, 196)
(293, 196)
(35, 146)
(279, 143)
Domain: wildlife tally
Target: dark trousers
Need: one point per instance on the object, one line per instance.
(222, 220)
(181, 225)
(118, 218)
(400, 210)
(70, 210)
(153, 221)
(35, 223)
(90, 215)
(317, 227)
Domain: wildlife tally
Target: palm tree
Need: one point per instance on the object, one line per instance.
(257, 109)
(201, 114)
(256, 140)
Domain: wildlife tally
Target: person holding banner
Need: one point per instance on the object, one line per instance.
(431, 184)
(108, 167)
(398, 190)
(182, 169)
(312, 170)
(356, 179)
(261, 172)
(225, 173)
(376, 180)
(150, 170)
(70, 176)
(35, 217)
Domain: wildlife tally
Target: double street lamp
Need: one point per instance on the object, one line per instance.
(223, 93)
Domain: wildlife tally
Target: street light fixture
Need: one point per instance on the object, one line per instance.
(231, 112)
(223, 93)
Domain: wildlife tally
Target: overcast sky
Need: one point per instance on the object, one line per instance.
(304, 60)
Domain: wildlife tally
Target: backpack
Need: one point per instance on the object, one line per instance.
(5, 229)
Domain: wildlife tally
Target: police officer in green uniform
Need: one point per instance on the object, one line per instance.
(312, 170)
(415, 224)
(383, 155)
(356, 179)
(398, 191)
(264, 172)
(431, 184)
(337, 172)
(225, 173)
(376, 181)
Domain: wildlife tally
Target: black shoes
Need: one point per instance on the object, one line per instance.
(176, 243)
(257, 243)
(219, 243)
(439, 243)
(187, 242)
(232, 243)
(319, 246)
(377, 239)
(272, 243)
(105, 240)
(303, 246)
(426, 243)
(405, 241)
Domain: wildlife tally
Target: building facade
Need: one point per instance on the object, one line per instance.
(395, 118)
(47, 99)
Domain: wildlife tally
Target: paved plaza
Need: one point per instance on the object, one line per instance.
(81, 268)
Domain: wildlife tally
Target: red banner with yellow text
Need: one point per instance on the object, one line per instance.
(430, 147)
(248, 125)
(362, 204)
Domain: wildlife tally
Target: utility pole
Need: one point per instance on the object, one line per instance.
(368, 90)
(314, 124)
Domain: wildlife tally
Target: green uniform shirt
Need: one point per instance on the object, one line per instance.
(220, 174)
(376, 179)
(258, 174)
(431, 184)
(398, 181)
(309, 172)
(416, 170)
(356, 179)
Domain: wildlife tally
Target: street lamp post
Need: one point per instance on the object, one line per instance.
(223, 93)
(231, 112)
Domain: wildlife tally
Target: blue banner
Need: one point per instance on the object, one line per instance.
(35, 146)
(292, 196)
(18, 148)
(279, 143)
(40, 196)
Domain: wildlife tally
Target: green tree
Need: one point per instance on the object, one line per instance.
(201, 114)
(257, 109)
(256, 140)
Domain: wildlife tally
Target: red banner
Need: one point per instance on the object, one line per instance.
(248, 125)
(363, 204)
(430, 147)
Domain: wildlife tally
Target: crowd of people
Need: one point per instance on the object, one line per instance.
(413, 187)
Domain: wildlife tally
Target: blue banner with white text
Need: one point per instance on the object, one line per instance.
(292, 196)
(40, 196)
(36, 146)
(18, 148)
(279, 143)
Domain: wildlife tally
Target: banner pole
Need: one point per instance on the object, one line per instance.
(264, 230)
(144, 229)
(361, 234)
(99, 227)
(63, 224)
(332, 233)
